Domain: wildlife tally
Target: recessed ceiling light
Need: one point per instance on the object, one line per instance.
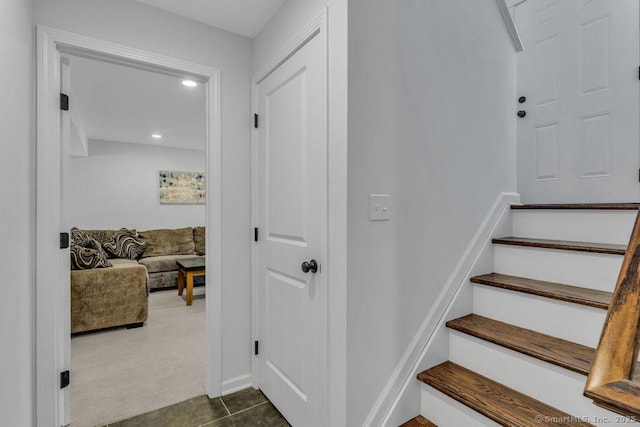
(189, 83)
(156, 136)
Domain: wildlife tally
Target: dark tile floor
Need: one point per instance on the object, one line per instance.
(248, 407)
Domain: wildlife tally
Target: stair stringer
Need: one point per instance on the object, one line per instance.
(400, 398)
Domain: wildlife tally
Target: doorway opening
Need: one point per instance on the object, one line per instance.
(134, 198)
(52, 259)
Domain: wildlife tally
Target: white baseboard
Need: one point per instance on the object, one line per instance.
(407, 368)
(236, 384)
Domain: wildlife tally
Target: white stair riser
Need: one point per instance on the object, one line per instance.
(572, 322)
(444, 411)
(548, 383)
(583, 226)
(586, 269)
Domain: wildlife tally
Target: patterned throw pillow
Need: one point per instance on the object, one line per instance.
(86, 258)
(85, 240)
(126, 244)
(100, 235)
(79, 237)
(94, 244)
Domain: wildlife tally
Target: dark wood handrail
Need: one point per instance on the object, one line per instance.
(610, 380)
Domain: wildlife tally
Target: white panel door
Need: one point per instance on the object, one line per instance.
(579, 140)
(292, 211)
(64, 355)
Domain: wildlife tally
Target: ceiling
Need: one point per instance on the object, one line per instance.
(124, 104)
(243, 17)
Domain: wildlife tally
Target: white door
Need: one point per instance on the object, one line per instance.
(579, 141)
(64, 356)
(292, 209)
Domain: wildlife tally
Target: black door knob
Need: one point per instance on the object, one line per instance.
(522, 99)
(522, 113)
(311, 266)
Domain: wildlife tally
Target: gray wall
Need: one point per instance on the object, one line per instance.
(117, 186)
(133, 24)
(17, 213)
(432, 123)
(431, 90)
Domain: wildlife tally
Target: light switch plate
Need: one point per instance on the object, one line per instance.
(379, 207)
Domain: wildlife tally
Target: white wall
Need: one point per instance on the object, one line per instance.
(133, 24)
(432, 123)
(117, 186)
(17, 214)
(291, 18)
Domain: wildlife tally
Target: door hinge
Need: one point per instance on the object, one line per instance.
(638, 175)
(255, 234)
(65, 379)
(64, 240)
(255, 121)
(64, 102)
(255, 348)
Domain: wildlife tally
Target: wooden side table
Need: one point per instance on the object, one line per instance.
(187, 269)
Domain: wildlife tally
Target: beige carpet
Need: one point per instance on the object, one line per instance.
(126, 372)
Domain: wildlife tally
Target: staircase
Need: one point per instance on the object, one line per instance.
(522, 357)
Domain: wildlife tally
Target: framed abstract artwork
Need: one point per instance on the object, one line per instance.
(182, 188)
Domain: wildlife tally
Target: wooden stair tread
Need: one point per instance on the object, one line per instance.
(418, 421)
(559, 352)
(602, 248)
(585, 206)
(558, 291)
(502, 404)
(566, 354)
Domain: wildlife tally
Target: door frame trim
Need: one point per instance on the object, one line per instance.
(48, 312)
(335, 356)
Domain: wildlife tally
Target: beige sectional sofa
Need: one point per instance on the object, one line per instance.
(166, 246)
(118, 295)
(107, 297)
